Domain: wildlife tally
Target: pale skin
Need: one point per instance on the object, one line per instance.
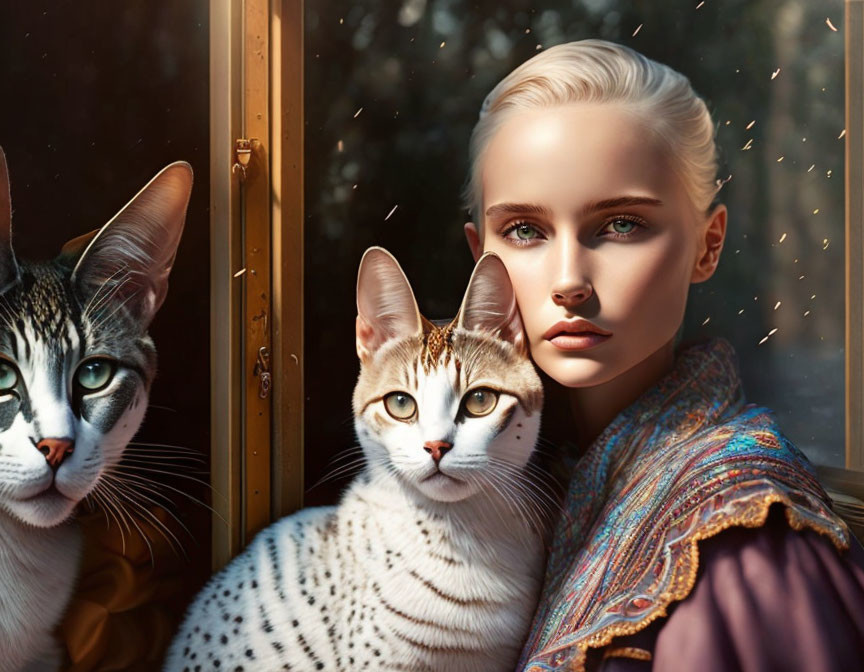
(590, 220)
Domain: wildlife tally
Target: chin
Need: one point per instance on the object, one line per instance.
(47, 509)
(576, 371)
(442, 488)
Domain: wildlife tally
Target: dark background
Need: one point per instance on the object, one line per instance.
(408, 147)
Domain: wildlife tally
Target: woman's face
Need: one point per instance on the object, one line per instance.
(591, 222)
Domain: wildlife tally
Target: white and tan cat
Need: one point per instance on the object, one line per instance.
(434, 557)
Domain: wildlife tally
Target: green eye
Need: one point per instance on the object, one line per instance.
(626, 223)
(526, 232)
(480, 402)
(8, 376)
(94, 374)
(400, 405)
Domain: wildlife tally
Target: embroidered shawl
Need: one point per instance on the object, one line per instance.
(685, 461)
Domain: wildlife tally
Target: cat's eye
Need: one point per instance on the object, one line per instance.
(94, 374)
(8, 376)
(400, 405)
(480, 402)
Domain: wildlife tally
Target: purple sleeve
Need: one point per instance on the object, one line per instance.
(768, 598)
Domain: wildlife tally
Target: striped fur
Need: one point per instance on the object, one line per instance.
(414, 569)
(54, 317)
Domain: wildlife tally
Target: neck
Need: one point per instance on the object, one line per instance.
(594, 408)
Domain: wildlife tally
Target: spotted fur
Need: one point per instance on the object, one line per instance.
(59, 439)
(423, 566)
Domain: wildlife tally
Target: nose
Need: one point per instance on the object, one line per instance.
(572, 286)
(437, 449)
(55, 450)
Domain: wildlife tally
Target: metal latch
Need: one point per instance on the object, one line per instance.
(262, 370)
(242, 156)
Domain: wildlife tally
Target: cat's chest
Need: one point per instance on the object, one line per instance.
(38, 569)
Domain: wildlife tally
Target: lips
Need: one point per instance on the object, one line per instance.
(578, 327)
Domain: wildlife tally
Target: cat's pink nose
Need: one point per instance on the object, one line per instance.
(437, 449)
(55, 450)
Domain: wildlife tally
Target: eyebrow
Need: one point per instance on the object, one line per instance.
(596, 206)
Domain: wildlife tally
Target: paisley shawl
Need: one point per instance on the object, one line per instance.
(685, 461)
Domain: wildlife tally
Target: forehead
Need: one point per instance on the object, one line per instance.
(576, 153)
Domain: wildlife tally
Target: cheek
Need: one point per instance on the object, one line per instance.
(527, 271)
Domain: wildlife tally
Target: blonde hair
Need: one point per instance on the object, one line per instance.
(596, 71)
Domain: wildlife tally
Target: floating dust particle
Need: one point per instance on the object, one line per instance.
(796, 261)
(806, 313)
(812, 297)
(354, 187)
(750, 125)
(782, 238)
(755, 298)
(803, 139)
(828, 174)
(811, 167)
(240, 272)
(740, 312)
(728, 121)
(737, 251)
(357, 113)
(825, 244)
(538, 47)
(707, 320)
(816, 211)
(341, 21)
(780, 159)
(770, 333)
(340, 145)
(527, 30)
(842, 133)
(800, 277)
(441, 46)
(829, 24)
(391, 212)
(777, 305)
(700, 4)
(748, 145)
(775, 73)
(638, 28)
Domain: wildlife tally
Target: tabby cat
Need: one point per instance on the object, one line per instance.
(76, 365)
(433, 559)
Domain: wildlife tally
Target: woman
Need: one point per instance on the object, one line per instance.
(593, 178)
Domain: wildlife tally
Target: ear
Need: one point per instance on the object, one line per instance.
(490, 303)
(385, 303)
(129, 258)
(710, 245)
(473, 238)
(9, 273)
(73, 248)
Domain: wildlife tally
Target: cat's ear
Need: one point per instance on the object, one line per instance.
(129, 258)
(9, 273)
(490, 303)
(385, 303)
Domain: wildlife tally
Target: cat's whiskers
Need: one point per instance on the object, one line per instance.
(131, 498)
(107, 508)
(120, 473)
(118, 498)
(165, 504)
(348, 468)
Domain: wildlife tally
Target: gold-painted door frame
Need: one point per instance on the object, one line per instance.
(256, 81)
